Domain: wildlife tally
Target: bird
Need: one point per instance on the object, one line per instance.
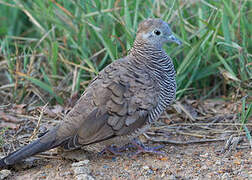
(121, 102)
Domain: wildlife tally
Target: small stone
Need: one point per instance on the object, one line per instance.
(204, 155)
(245, 175)
(164, 158)
(81, 170)
(218, 162)
(225, 176)
(146, 167)
(80, 163)
(105, 166)
(149, 171)
(42, 175)
(171, 177)
(65, 173)
(4, 174)
(84, 177)
(162, 175)
(204, 167)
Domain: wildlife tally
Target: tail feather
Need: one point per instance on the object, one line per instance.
(31, 149)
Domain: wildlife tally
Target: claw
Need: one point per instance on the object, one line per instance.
(136, 143)
(141, 148)
(111, 149)
(116, 150)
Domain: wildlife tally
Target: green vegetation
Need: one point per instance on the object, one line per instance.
(47, 45)
(1, 137)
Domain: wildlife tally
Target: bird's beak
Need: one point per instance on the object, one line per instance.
(172, 38)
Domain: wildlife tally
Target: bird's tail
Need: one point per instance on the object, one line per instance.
(35, 147)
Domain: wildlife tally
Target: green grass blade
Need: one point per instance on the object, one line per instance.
(43, 86)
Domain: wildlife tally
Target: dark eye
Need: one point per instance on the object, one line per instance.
(157, 32)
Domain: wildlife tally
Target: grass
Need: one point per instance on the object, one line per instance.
(245, 115)
(1, 137)
(51, 49)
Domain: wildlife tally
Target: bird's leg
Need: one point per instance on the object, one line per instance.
(136, 143)
(141, 148)
(116, 150)
(110, 149)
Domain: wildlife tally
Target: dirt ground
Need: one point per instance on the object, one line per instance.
(203, 140)
(197, 161)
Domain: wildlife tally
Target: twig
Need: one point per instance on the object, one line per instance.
(192, 134)
(48, 156)
(4, 106)
(44, 36)
(231, 144)
(183, 142)
(185, 111)
(32, 19)
(38, 124)
(207, 124)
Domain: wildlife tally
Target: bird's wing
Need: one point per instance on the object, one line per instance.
(116, 103)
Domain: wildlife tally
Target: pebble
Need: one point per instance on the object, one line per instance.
(65, 173)
(84, 177)
(225, 176)
(105, 166)
(204, 167)
(218, 162)
(146, 167)
(114, 159)
(245, 174)
(172, 177)
(204, 155)
(81, 170)
(42, 175)
(4, 174)
(150, 172)
(80, 163)
(163, 174)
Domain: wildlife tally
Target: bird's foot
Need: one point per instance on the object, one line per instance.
(141, 148)
(135, 144)
(116, 150)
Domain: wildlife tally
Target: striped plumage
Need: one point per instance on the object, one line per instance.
(160, 64)
(121, 102)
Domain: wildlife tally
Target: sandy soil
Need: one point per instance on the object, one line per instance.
(191, 122)
(196, 161)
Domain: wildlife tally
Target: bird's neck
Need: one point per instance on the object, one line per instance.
(160, 65)
(155, 59)
(142, 49)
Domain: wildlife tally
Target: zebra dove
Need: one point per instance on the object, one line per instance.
(121, 102)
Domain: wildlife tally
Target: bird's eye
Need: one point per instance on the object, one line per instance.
(157, 32)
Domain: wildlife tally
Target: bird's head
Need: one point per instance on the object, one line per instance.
(155, 32)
